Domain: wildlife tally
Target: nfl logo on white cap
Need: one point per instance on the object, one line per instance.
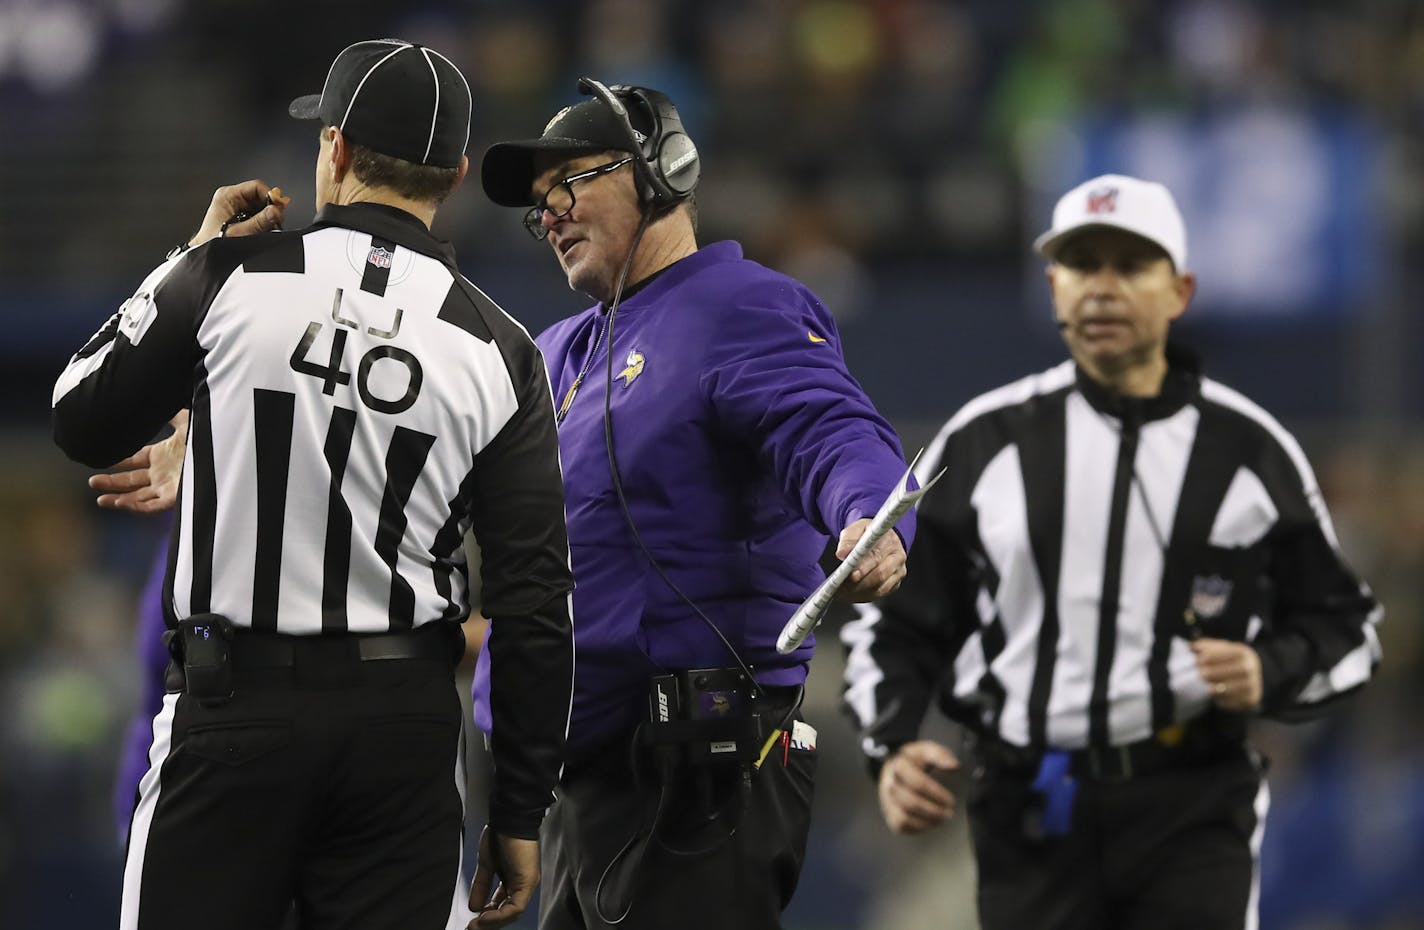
(1143, 208)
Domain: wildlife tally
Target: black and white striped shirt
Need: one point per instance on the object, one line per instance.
(357, 406)
(1075, 538)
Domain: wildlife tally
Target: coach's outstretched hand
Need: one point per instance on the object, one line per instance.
(505, 878)
(879, 573)
(147, 481)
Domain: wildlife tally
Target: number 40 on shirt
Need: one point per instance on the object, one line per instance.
(331, 374)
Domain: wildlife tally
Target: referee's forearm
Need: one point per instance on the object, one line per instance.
(531, 683)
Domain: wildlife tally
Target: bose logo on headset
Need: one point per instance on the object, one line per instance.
(682, 160)
(666, 160)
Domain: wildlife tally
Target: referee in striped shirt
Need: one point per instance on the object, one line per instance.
(357, 406)
(1124, 563)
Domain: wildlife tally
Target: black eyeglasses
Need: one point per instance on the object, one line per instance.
(559, 199)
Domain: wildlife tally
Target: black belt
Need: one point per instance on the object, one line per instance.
(1164, 751)
(1175, 747)
(262, 649)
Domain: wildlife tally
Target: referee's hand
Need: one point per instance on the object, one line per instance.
(505, 878)
(1232, 673)
(912, 798)
(147, 481)
(241, 210)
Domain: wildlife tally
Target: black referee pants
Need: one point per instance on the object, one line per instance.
(1173, 850)
(736, 871)
(333, 785)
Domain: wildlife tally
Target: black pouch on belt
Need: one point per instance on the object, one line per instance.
(207, 657)
(703, 717)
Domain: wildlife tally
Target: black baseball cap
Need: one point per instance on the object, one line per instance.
(396, 98)
(508, 167)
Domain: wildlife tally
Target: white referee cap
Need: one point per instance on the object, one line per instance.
(1143, 208)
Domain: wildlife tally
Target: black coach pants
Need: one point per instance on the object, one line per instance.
(736, 872)
(331, 785)
(1173, 850)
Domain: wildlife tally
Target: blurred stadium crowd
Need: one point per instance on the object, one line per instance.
(898, 155)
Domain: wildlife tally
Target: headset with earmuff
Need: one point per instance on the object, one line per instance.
(667, 161)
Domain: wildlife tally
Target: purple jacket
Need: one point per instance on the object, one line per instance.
(742, 442)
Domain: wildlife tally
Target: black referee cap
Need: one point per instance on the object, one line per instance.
(395, 98)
